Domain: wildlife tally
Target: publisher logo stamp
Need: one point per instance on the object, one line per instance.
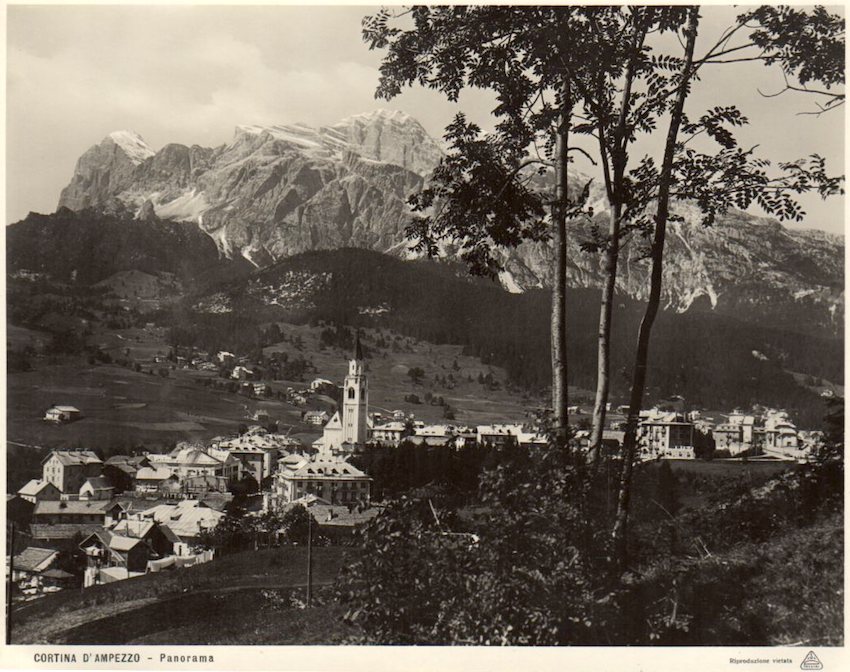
(811, 662)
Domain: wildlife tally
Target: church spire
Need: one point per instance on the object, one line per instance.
(358, 350)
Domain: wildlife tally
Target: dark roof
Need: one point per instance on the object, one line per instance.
(57, 574)
(98, 483)
(169, 534)
(74, 506)
(69, 457)
(30, 558)
(62, 530)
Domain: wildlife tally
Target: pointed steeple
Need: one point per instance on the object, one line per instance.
(358, 350)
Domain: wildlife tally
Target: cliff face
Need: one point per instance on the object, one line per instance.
(275, 191)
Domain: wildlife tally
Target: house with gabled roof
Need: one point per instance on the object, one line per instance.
(102, 512)
(60, 414)
(38, 490)
(96, 487)
(32, 562)
(69, 469)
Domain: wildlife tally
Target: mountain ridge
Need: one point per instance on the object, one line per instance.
(278, 190)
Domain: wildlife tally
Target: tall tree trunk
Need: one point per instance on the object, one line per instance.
(603, 357)
(618, 152)
(559, 289)
(657, 256)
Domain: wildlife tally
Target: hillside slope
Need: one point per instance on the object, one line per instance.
(707, 357)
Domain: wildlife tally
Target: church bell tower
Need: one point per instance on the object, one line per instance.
(355, 399)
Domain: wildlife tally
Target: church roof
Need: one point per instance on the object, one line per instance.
(334, 422)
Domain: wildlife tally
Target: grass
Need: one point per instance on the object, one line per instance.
(177, 600)
(123, 408)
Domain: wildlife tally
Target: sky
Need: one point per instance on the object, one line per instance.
(190, 74)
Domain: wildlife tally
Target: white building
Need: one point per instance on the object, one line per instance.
(332, 479)
(351, 427)
(62, 414)
(499, 435)
(666, 435)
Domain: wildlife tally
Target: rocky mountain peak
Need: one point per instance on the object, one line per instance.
(277, 190)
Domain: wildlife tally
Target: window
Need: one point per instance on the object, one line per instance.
(351, 393)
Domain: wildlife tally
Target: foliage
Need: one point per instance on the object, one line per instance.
(294, 525)
(531, 572)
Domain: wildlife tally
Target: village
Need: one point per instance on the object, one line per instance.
(131, 515)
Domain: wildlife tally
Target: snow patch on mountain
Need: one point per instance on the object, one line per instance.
(188, 207)
(134, 146)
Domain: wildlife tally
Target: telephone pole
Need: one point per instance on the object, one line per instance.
(10, 583)
(309, 558)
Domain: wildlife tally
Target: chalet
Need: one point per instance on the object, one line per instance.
(502, 435)
(69, 469)
(98, 512)
(338, 523)
(96, 487)
(389, 432)
(38, 490)
(32, 562)
(241, 373)
(60, 536)
(188, 519)
(316, 417)
(125, 548)
(201, 485)
(225, 358)
(334, 480)
(61, 414)
(149, 479)
(319, 383)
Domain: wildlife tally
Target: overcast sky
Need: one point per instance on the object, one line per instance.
(191, 74)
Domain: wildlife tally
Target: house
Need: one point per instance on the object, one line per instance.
(241, 373)
(253, 462)
(127, 547)
(389, 432)
(19, 511)
(149, 479)
(318, 383)
(188, 460)
(338, 523)
(29, 566)
(316, 417)
(96, 487)
(60, 536)
(187, 519)
(201, 485)
(332, 479)
(502, 435)
(38, 490)
(69, 469)
(60, 414)
(97, 512)
(226, 358)
(666, 435)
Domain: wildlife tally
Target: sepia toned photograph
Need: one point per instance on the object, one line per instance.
(456, 325)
